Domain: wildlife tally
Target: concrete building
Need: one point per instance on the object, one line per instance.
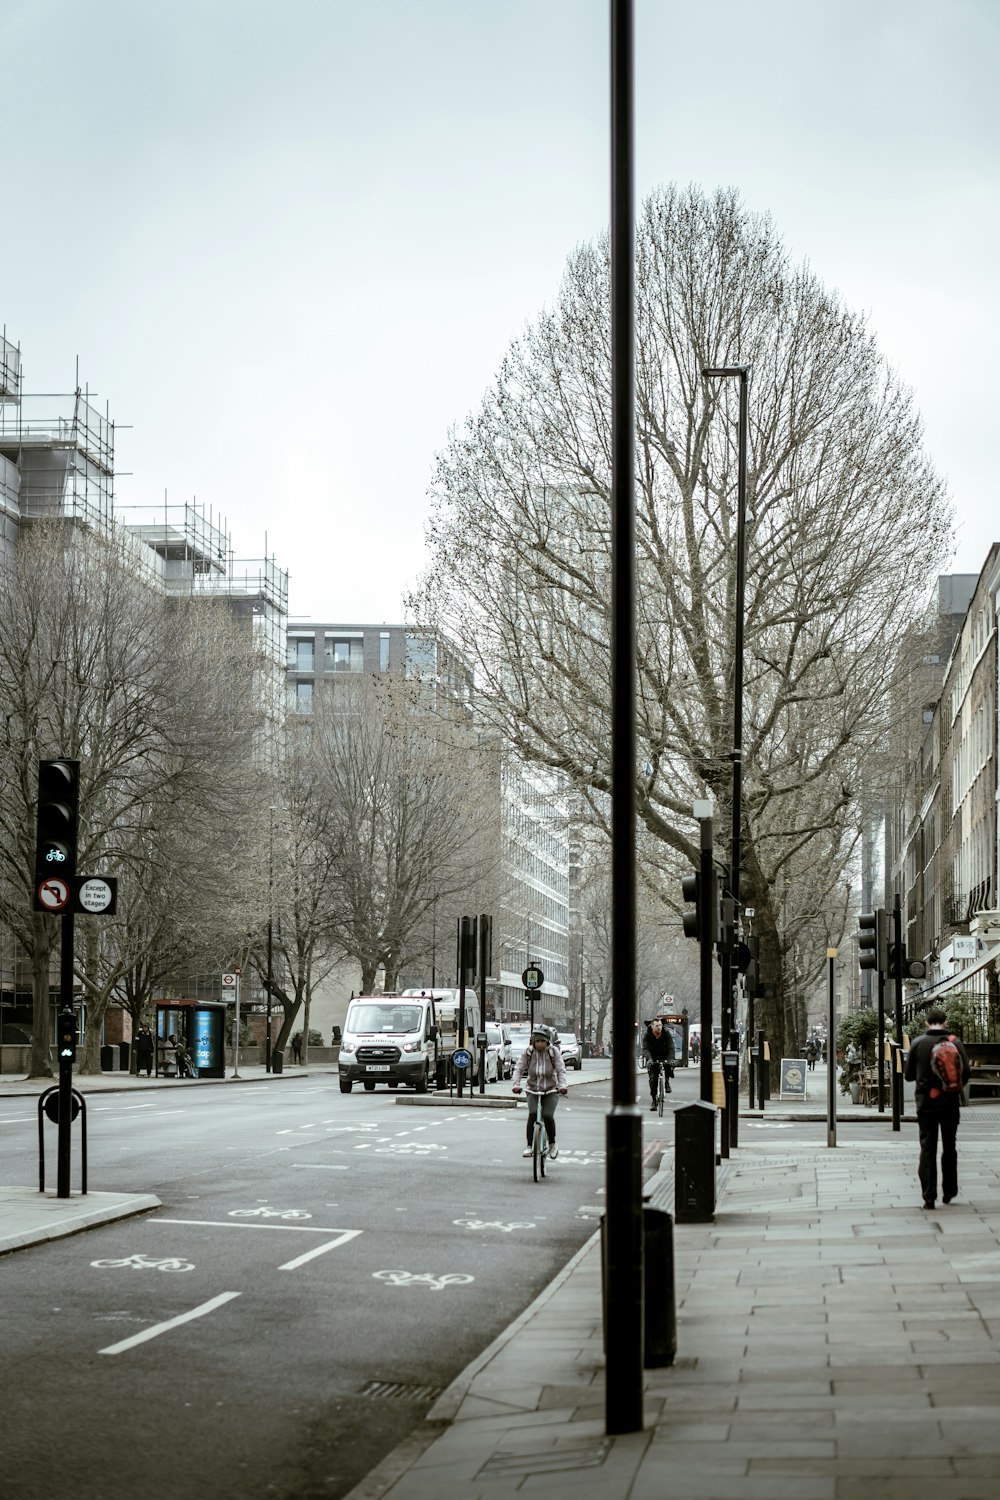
(531, 922)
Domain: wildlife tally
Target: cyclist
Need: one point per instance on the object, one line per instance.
(658, 1052)
(542, 1068)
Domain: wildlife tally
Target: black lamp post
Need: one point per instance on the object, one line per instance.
(742, 373)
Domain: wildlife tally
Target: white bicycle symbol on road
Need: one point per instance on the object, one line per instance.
(146, 1263)
(426, 1278)
(494, 1224)
(269, 1213)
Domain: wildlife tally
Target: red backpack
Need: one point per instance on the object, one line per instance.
(946, 1068)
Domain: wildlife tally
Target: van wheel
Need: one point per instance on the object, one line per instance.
(369, 1088)
(420, 1087)
(346, 1084)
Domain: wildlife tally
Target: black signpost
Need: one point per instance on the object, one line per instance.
(532, 978)
(59, 891)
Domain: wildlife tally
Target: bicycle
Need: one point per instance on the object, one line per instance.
(661, 1089)
(539, 1141)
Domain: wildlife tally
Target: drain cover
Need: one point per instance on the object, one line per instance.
(398, 1390)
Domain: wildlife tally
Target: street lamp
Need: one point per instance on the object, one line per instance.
(742, 373)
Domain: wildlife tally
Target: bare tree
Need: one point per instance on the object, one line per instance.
(412, 810)
(846, 520)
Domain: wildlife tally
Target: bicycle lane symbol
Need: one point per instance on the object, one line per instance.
(143, 1263)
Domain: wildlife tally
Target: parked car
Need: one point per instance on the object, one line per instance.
(520, 1041)
(499, 1063)
(572, 1052)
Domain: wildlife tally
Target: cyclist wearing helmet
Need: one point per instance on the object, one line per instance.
(542, 1068)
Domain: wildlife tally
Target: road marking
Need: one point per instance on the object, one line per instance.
(158, 1328)
(300, 1260)
(322, 1166)
(423, 1278)
(281, 1228)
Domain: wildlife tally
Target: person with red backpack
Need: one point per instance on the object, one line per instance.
(938, 1067)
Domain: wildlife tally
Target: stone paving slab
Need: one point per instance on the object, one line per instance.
(834, 1341)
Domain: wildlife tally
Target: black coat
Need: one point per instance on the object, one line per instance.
(658, 1049)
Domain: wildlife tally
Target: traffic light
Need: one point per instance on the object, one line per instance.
(691, 891)
(66, 1035)
(58, 806)
(706, 906)
(868, 940)
(912, 968)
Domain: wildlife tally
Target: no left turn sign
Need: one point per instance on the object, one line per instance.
(53, 894)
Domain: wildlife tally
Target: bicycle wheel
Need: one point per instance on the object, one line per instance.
(537, 1161)
(661, 1094)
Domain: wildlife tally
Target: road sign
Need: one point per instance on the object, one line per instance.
(228, 981)
(96, 894)
(52, 894)
(461, 1058)
(532, 979)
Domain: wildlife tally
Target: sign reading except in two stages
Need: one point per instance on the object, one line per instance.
(96, 894)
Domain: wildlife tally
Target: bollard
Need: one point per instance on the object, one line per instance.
(694, 1163)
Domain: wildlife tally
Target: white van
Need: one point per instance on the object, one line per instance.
(400, 1040)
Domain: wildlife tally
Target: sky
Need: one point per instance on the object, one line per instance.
(290, 244)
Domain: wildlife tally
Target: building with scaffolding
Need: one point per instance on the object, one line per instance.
(57, 463)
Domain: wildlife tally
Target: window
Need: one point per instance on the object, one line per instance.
(383, 651)
(344, 653)
(303, 697)
(302, 654)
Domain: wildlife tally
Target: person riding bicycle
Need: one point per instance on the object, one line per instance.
(542, 1068)
(658, 1051)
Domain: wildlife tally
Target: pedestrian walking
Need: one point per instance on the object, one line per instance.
(297, 1047)
(811, 1054)
(144, 1051)
(938, 1067)
(658, 1051)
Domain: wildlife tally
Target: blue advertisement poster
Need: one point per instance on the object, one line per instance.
(206, 1039)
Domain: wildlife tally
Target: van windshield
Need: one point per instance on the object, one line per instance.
(384, 1018)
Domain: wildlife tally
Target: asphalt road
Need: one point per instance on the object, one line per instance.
(322, 1266)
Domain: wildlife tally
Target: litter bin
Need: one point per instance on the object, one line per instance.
(277, 1062)
(109, 1059)
(694, 1163)
(659, 1319)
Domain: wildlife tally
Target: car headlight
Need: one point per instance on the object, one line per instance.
(346, 1047)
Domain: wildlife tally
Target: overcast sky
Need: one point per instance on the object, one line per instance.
(289, 244)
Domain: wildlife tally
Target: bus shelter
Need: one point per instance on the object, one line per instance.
(201, 1026)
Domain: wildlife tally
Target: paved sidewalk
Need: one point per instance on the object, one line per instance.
(835, 1342)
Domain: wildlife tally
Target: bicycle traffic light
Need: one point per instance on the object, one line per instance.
(66, 1035)
(58, 807)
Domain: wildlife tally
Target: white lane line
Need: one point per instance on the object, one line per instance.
(228, 1224)
(300, 1260)
(322, 1166)
(158, 1328)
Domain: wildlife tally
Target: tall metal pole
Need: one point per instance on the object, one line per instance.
(831, 1068)
(742, 372)
(623, 1226)
(897, 1077)
(65, 1096)
(706, 967)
